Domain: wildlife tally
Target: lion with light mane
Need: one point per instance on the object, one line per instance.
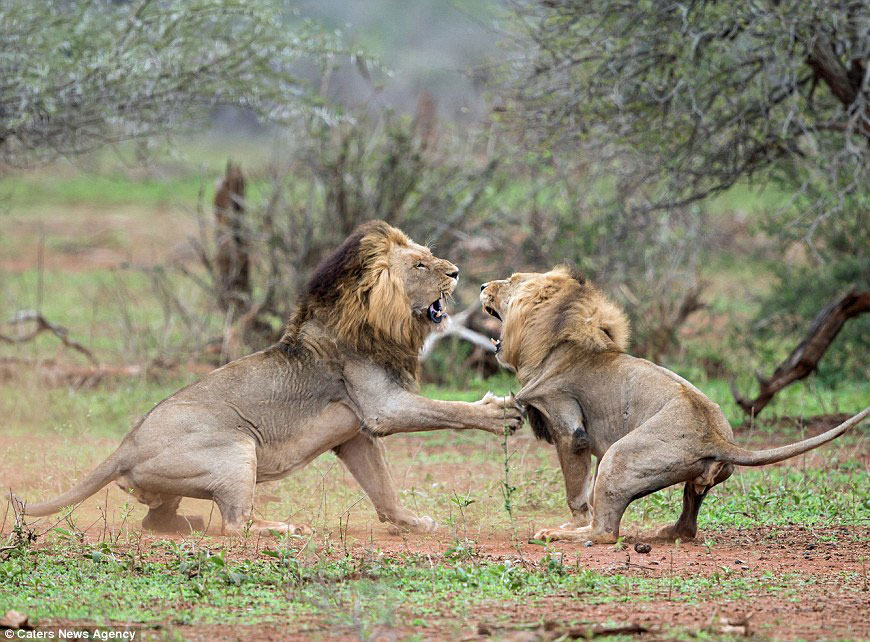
(343, 374)
(647, 427)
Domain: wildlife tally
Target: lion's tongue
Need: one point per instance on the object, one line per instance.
(437, 312)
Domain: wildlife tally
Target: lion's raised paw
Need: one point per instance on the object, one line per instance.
(506, 413)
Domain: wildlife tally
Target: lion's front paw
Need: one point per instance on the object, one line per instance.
(423, 524)
(502, 414)
(548, 534)
(280, 528)
(575, 535)
(301, 529)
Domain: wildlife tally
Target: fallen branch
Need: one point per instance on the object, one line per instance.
(458, 327)
(805, 358)
(43, 325)
(554, 631)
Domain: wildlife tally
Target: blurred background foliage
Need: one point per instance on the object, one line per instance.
(692, 159)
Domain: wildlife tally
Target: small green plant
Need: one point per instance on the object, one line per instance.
(507, 488)
(461, 550)
(461, 503)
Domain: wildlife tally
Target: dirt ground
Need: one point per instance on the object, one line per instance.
(833, 600)
(823, 609)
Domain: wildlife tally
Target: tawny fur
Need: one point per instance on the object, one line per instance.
(648, 427)
(365, 304)
(563, 308)
(342, 376)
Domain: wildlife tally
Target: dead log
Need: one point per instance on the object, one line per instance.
(232, 260)
(805, 358)
(43, 325)
(551, 630)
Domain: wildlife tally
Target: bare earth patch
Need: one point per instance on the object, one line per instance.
(798, 581)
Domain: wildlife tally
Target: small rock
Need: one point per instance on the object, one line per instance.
(642, 547)
(14, 620)
(588, 543)
(739, 562)
(810, 547)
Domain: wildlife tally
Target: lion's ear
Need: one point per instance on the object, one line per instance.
(387, 303)
(570, 268)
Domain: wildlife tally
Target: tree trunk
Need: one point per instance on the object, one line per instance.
(232, 260)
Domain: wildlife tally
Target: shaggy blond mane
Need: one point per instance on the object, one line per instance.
(356, 296)
(557, 307)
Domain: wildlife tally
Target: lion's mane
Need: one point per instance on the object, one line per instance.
(559, 307)
(354, 294)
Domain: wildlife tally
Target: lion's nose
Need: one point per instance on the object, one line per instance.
(454, 274)
(483, 286)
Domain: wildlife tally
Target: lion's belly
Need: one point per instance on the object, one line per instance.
(311, 437)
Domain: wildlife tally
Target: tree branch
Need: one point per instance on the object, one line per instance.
(805, 358)
(43, 325)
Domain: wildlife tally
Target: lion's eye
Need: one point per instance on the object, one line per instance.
(420, 265)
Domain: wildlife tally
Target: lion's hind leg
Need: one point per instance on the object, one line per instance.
(234, 496)
(694, 493)
(162, 514)
(165, 519)
(635, 466)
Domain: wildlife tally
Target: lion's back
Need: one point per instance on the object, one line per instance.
(294, 382)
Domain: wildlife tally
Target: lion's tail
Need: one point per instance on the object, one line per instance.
(734, 454)
(99, 477)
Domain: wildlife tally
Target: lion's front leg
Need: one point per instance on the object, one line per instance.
(412, 413)
(387, 408)
(576, 469)
(364, 457)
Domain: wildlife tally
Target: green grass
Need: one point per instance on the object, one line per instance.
(99, 192)
(106, 180)
(117, 314)
(192, 584)
(835, 496)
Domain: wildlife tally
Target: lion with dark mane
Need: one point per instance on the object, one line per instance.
(343, 374)
(648, 427)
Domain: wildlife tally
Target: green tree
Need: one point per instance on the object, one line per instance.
(78, 74)
(677, 101)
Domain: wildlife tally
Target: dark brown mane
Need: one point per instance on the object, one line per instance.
(343, 296)
(323, 288)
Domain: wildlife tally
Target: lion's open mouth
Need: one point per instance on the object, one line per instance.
(437, 311)
(491, 312)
